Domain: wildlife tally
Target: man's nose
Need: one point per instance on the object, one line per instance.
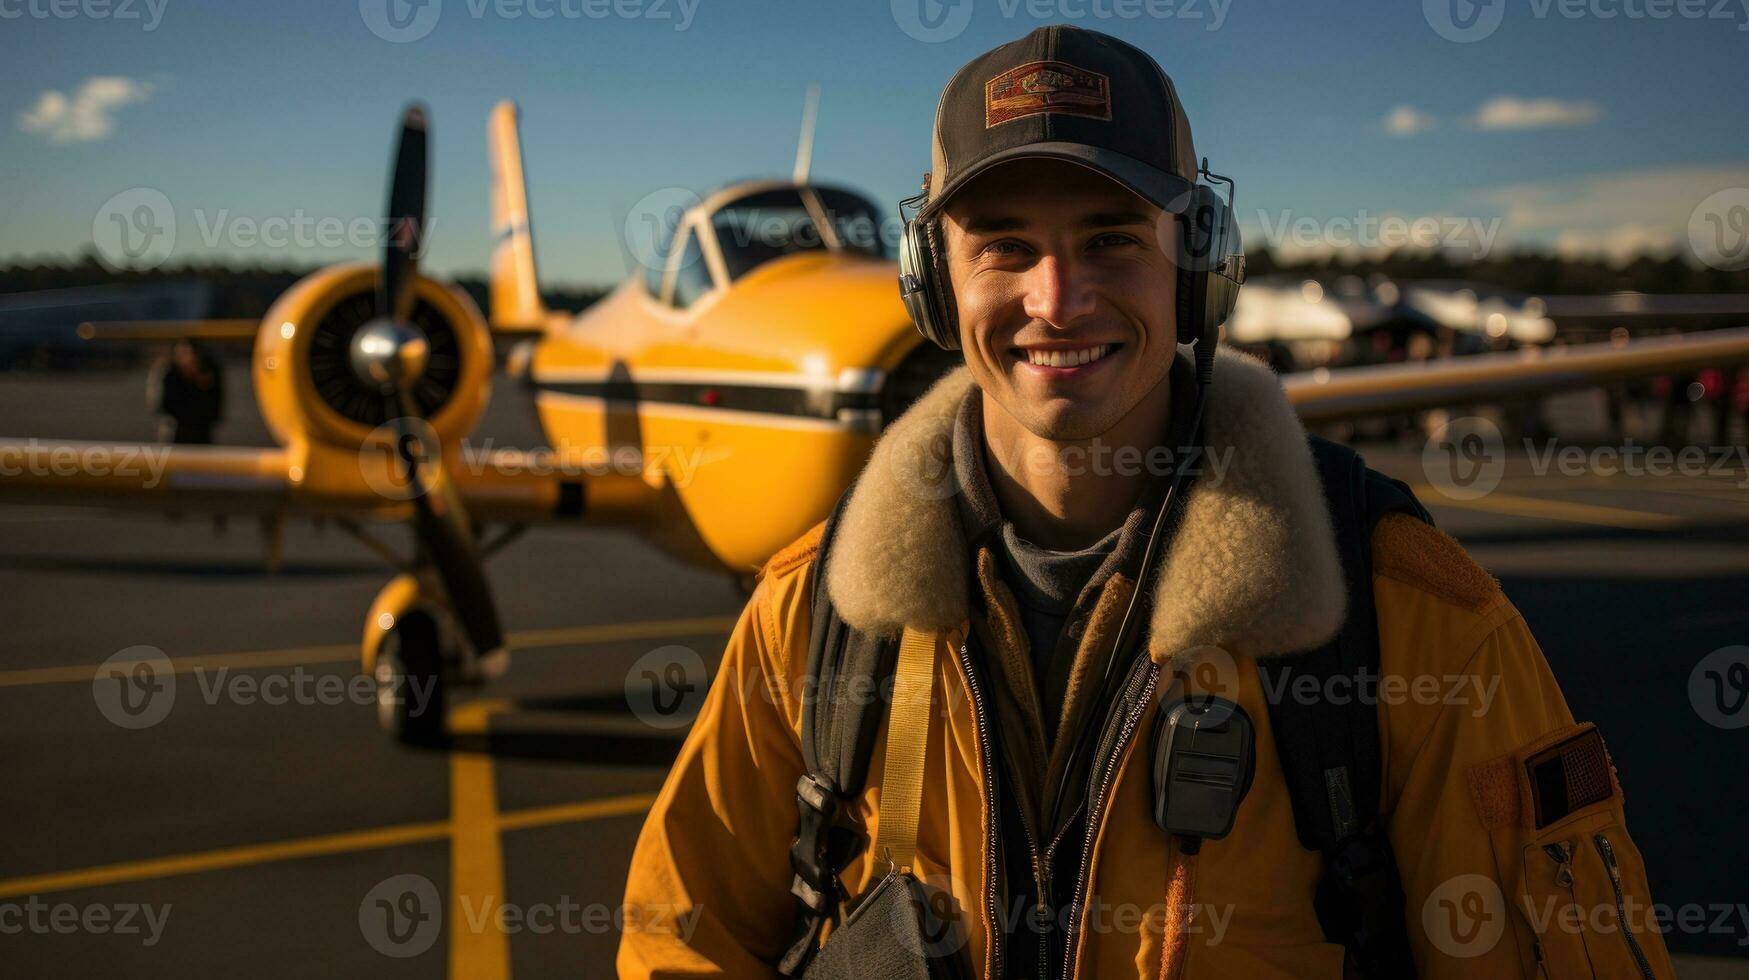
(1057, 293)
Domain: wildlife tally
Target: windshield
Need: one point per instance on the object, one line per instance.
(771, 224)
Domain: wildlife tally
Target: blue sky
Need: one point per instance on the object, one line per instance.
(1605, 126)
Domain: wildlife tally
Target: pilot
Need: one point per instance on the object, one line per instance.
(1064, 805)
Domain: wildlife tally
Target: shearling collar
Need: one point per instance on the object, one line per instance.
(1253, 566)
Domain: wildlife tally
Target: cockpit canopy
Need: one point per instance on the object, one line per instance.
(738, 229)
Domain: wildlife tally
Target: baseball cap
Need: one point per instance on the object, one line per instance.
(1064, 93)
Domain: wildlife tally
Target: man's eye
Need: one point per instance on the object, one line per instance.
(1113, 239)
(1004, 248)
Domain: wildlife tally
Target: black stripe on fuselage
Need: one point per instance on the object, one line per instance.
(763, 399)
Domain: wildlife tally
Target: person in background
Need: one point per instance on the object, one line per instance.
(191, 394)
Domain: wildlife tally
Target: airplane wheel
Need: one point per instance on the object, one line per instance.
(409, 676)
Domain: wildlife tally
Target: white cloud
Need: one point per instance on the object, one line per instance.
(1406, 120)
(1619, 215)
(1511, 112)
(1619, 245)
(86, 115)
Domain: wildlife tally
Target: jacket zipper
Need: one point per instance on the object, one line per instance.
(1096, 804)
(991, 902)
(1041, 875)
(1621, 918)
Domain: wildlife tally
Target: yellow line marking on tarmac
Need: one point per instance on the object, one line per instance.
(1558, 510)
(326, 844)
(342, 652)
(476, 861)
(229, 857)
(546, 816)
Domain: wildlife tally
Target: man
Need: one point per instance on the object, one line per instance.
(191, 394)
(1058, 162)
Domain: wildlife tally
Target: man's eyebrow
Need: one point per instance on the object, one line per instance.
(986, 225)
(983, 225)
(1110, 219)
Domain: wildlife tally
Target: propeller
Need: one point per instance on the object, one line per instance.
(390, 353)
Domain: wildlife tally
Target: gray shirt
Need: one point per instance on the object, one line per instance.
(1046, 584)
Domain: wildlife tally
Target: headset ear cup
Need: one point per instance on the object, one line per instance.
(921, 273)
(1205, 296)
(940, 286)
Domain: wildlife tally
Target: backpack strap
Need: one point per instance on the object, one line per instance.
(839, 724)
(1329, 750)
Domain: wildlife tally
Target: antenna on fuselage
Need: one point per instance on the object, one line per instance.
(805, 145)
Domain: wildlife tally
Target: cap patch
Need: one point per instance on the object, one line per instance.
(1046, 87)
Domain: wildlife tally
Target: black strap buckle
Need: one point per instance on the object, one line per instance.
(816, 880)
(1362, 905)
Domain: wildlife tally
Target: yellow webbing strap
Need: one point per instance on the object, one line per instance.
(907, 734)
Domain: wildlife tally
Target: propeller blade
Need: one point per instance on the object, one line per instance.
(446, 535)
(391, 354)
(406, 217)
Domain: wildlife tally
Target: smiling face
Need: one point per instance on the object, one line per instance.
(1065, 293)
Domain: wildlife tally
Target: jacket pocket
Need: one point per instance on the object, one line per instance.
(1573, 876)
(1583, 893)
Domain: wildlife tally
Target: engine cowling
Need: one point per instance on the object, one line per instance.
(303, 375)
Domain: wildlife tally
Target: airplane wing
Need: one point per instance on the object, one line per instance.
(1333, 395)
(232, 331)
(497, 486)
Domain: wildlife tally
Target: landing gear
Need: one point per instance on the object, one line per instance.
(410, 682)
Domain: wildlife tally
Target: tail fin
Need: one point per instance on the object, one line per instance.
(515, 292)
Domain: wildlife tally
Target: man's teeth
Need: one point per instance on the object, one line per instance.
(1067, 358)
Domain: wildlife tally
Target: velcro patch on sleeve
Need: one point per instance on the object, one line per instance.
(1494, 789)
(1568, 776)
(1545, 781)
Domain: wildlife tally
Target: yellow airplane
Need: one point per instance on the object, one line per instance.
(718, 404)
